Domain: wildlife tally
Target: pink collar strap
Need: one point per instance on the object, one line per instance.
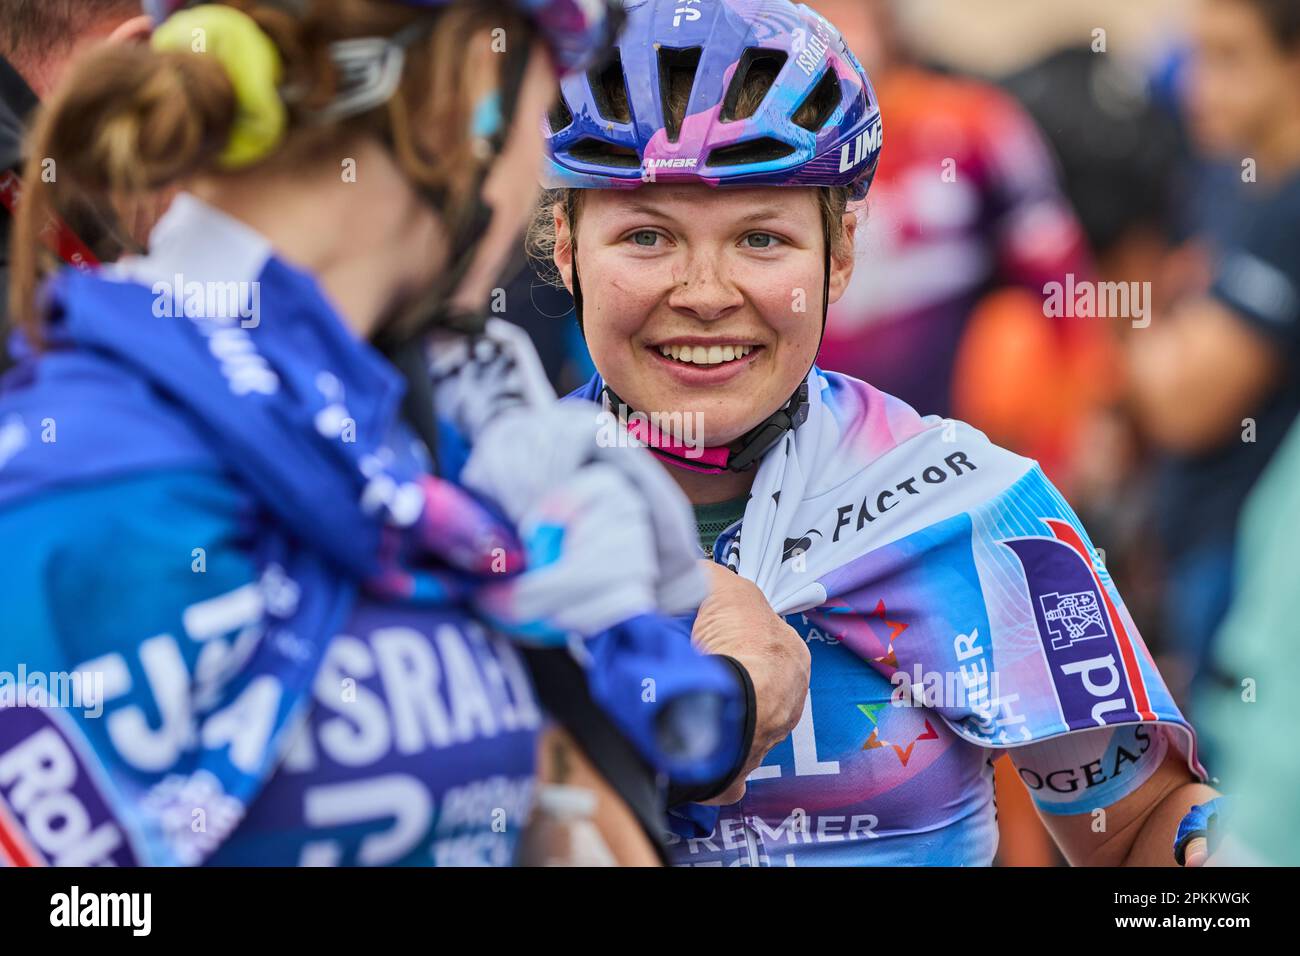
(707, 461)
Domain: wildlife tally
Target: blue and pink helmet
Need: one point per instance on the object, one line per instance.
(577, 32)
(612, 129)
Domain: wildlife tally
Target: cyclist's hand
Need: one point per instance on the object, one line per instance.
(736, 620)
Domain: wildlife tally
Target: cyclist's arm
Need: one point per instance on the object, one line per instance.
(1105, 800)
(562, 762)
(770, 657)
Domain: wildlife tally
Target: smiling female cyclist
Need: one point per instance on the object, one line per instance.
(284, 603)
(703, 218)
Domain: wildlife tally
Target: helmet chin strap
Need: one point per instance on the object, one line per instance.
(744, 452)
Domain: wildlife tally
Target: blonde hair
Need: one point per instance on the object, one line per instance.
(542, 239)
(128, 121)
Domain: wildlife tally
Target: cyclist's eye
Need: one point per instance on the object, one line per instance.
(646, 237)
(760, 240)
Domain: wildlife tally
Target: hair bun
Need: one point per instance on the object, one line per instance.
(251, 62)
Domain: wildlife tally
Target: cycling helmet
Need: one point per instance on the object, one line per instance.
(611, 127)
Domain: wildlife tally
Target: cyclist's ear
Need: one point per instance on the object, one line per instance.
(563, 254)
(843, 260)
(135, 30)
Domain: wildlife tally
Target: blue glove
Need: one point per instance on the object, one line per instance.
(1203, 820)
(682, 710)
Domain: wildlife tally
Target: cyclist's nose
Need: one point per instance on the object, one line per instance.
(703, 289)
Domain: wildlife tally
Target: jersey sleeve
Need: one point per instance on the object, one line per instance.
(1085, 770)
(1002, 617)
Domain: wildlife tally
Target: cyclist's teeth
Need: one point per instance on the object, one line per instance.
(699, 355)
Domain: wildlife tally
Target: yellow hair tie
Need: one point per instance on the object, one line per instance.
(254, 66)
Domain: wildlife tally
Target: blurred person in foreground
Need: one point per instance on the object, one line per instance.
(967, 201)
(1215, 381)
(245, 477)
(38, 39)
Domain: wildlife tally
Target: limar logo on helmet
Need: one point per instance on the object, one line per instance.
(865, 144)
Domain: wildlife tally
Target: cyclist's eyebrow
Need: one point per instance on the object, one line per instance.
(650, 209)
(770, 212)
(647, 209)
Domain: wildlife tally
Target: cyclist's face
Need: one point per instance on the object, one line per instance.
(511, 187)
(1240, 80)
(703, 301)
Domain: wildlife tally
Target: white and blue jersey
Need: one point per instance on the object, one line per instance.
(242, 698)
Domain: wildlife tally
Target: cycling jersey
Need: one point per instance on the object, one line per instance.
(712, 520)
(953, 606)
(419, 725)
(194, 585)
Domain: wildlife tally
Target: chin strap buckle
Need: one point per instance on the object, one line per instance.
(756, 443)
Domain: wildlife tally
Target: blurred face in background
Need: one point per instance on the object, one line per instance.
(868, 29)
(511, 187)
(1242, 81)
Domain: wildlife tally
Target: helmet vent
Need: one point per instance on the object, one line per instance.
(677, 70)
(755, 74)
(560, 115)
(751, 151)
(609, 90)
(597, 153)
(816, 110)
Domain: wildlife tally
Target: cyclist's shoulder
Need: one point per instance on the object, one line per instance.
(861, 406)
(161, 504)
(150, 529)
(95, 564)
